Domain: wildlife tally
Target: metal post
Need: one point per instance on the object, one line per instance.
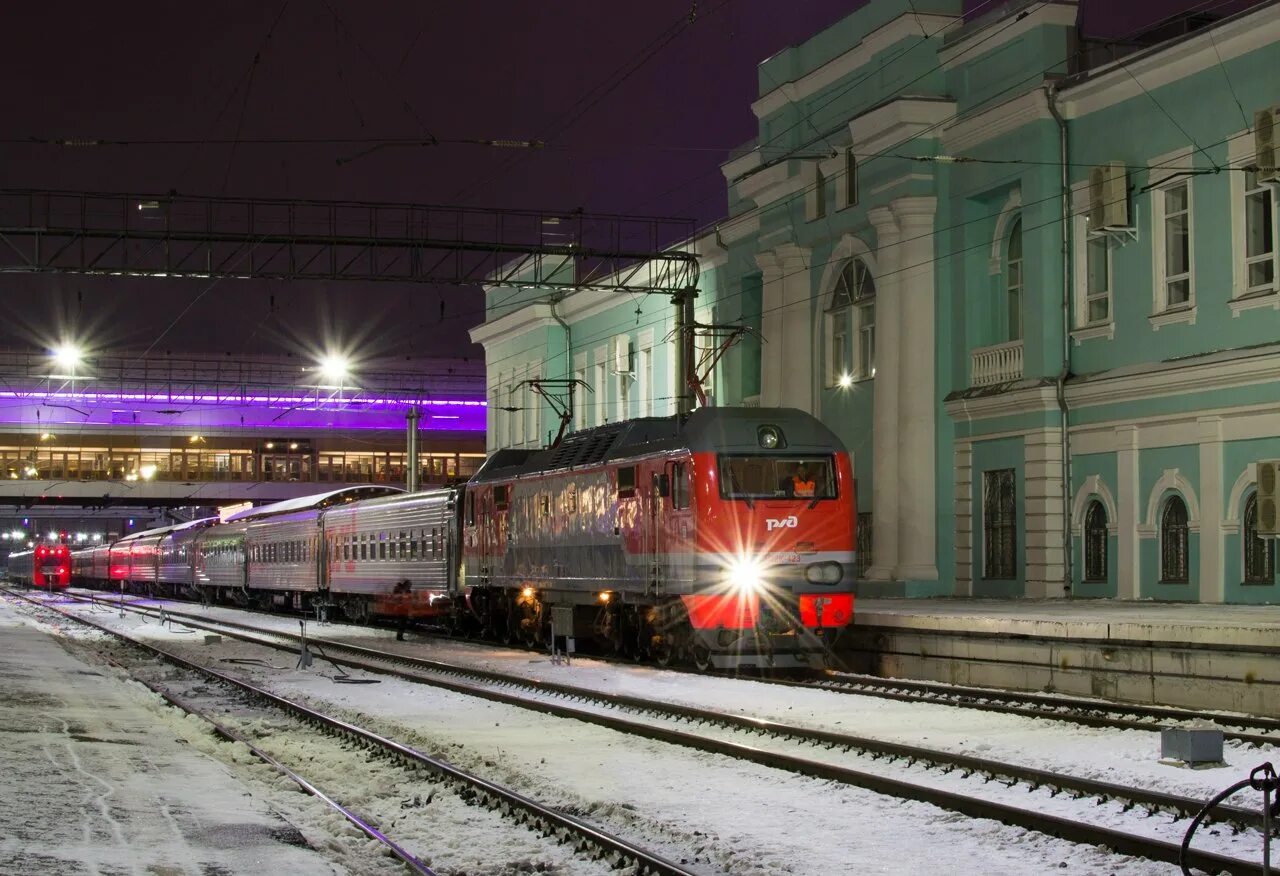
(684, 348)
(411, 476)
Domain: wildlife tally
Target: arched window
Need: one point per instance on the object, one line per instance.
(1173, 542)
(851, 325)
(1095, 542)
(1259, 553)
(1013, 280)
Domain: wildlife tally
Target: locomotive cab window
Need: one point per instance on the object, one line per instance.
(776, 477)
(626, 482)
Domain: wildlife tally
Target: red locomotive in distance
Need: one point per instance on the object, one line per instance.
(48, 566)
(724, 537)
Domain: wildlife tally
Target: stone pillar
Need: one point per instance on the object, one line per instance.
(1212, 582)
(917, 401)
(884, 418)
(1044, 515)
(786, 355)
(1128, 504)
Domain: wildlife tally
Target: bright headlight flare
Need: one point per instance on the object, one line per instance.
(746, 574)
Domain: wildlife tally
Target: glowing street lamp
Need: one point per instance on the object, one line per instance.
(67, 356)
(335, 367)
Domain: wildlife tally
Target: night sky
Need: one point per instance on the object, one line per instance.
(637, 104)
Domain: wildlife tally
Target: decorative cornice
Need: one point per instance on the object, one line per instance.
(901, 28)
(998, 120)
(1163, 64)
(1054, 13)
(513, 324)
(1174, 379)
(900, 119)
(739, 227)
(969, 407)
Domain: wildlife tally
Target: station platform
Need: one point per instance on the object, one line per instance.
(1222, 657)
(100, 779)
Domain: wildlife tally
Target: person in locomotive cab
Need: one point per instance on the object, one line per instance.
(802, 484)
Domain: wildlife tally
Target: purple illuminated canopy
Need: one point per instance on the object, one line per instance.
(353, 410)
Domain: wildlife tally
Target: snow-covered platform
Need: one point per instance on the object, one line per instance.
(1207, 656)
(97, 778)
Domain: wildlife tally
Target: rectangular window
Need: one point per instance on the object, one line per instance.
(1176, 222)
(864, 541)
(363, 549)
(999, 525)
(867, 340)
(776, 477)
(815, 196)
(839, 345)
(1259, 235)
(500, 497)
(626, 481)
(850, 178)
(544, 505)
(680, 492)
(1097, 305)
(580, 399)
(382, 549)
(471, 509)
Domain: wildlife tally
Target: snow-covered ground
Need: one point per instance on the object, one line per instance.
(726, 816)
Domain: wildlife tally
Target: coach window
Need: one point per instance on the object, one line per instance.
(626, 482)
(382, 546)
(360, 547)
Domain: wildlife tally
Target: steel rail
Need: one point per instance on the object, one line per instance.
(1058, 707)
(1152, 801)
(494, 796)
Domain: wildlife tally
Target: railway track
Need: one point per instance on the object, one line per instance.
(1251, 729)
(607, 709)
(585, 839)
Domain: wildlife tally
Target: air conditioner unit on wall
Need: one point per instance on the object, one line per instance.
(1269, 497)
(1109, 197)
(622, 363)
(1266, 143)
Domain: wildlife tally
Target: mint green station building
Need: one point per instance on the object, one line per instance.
(1029, 278)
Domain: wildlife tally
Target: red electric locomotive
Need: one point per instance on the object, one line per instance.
(48, 566)
(724, 537)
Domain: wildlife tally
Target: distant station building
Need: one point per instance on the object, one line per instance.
(1029, 278)
(142, 435)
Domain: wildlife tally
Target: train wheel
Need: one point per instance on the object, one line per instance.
(701, 656)
(664, 651)
(356, 609)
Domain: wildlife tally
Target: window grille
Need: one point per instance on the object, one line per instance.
(1095, 542)
(999, 524)
(1173, 542)
(1259, 553)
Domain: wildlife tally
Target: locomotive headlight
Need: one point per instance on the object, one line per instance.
(746, 574)
(824, 573)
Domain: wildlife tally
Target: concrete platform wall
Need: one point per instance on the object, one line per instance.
(1211, 677)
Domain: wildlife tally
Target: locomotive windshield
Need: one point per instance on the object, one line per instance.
(776, 477)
